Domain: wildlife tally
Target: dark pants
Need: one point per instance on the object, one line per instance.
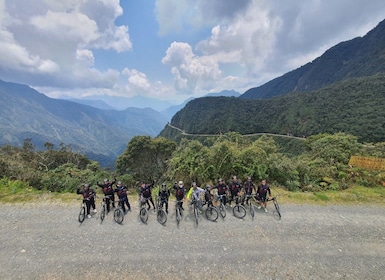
(89, 202)
(110, 198)
(148, 203)
(124, 201)
(165, 202)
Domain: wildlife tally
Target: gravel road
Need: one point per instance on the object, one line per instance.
(310, 242)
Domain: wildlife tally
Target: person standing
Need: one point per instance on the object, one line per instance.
(163, 196)
(145, 192)
(121, 190)
(235, 189)
(108, 191)
(88, 197)
(263, 190)
(180, 193)
(222, 190)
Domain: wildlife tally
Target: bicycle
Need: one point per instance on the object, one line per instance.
(118, 213)
(143, 212)
(178, 211)
(161, 215)
(211, 211)
(103, 208)
(222, 207)
(195, 209)
(82, 212)
(276, 205)
(239, 210)
(250, 205)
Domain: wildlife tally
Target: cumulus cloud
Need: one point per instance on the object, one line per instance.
(191, 73)
(265, 38)
(57, 38)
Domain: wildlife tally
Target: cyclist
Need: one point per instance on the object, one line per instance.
(121, 190)
(196, 194)
(108, 191)
(248, 187)
(222, 190)
(263, 190)
(235, 188)
(145, 192)
(180, 193)
(88, 197)
(208, 196)
(163, 195)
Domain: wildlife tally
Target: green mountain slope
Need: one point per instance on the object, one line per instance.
(26, 113)
(354, 106)
(363, 56)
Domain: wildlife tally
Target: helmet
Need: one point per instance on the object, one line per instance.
(194, 184)
(180, 183)
(249, 178)
(119, 183)
(163, 184)
(220, 180)
(105, 180)
(208, 187)
(86, 185)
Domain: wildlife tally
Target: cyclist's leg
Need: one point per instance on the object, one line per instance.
(122, 202)
(113, 200)
(88, 206)
(92, 203)
(127, 203)
(108, 203)
(152, 202)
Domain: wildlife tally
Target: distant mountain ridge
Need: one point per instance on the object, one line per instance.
(26, 113)
(362, 56)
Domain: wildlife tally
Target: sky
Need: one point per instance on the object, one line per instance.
(169, 50)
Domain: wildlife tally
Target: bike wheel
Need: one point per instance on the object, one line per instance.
(222, 210)
(276, 205)
(239, 211)
(143, 215)
(82, 214)
(118, 215)
(211, 214)
(102, 213)
(252, 212)
(196, 215)
(161, 216)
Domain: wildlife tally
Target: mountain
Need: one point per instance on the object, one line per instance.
(170, 112)
(354, 106)
(362, 56)
(341, 91)
(99, 104)
(26, 113)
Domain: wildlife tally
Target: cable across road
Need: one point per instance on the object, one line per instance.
(247, 135)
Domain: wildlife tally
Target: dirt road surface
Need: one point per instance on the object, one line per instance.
(310, 242)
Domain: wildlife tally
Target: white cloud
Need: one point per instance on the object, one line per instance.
(42, 37)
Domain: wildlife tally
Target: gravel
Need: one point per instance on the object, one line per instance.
(46, 241)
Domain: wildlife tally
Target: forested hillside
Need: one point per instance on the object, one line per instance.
(363, 56)
(354, 106)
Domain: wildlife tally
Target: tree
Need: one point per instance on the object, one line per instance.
(146, 158)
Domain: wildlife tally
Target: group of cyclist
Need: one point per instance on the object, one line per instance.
(226, 193)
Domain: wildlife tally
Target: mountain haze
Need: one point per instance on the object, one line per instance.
(101, 134)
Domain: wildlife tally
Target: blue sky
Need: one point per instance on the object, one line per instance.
(169, 50)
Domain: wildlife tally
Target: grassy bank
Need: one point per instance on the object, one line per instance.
(356, 195)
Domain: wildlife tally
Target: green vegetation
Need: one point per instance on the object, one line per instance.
(320, 173)
(354, 106)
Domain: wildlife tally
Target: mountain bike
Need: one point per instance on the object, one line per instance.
(277, 211)
(82, 212)
(221, 207)
(178, 211)
(194, 203)
(211, 211)
(143, 212)
(250, 204)
(239, 210)
(118, 213)
(161, 215)
(103, 208)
